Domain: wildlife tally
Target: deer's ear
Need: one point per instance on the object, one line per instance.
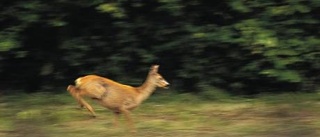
(154, 68)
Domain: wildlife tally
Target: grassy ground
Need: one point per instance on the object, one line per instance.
(167, 115)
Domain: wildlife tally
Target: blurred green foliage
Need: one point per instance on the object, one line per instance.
(243, 47)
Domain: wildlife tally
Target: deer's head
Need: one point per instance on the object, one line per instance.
(156, 78)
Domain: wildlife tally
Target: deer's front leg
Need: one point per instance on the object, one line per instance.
(116, 119)
(128, 118)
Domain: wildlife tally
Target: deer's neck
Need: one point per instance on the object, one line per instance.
(146, 89)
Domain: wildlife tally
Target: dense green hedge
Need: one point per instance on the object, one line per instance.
(243, 47)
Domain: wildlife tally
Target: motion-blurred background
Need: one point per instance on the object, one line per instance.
(238, 46)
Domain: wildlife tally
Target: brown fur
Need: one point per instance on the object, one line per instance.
(119, 98)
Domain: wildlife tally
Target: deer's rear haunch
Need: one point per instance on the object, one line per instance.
(119, 98)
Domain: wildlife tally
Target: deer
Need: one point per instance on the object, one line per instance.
(119, 98)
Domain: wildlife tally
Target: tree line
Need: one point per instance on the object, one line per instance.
(239, 46)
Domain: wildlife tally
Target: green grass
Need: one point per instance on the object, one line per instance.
(164, 115)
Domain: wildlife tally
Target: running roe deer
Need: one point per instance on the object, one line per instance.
(119, 98)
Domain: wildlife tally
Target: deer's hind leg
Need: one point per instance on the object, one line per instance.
(76, 93)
